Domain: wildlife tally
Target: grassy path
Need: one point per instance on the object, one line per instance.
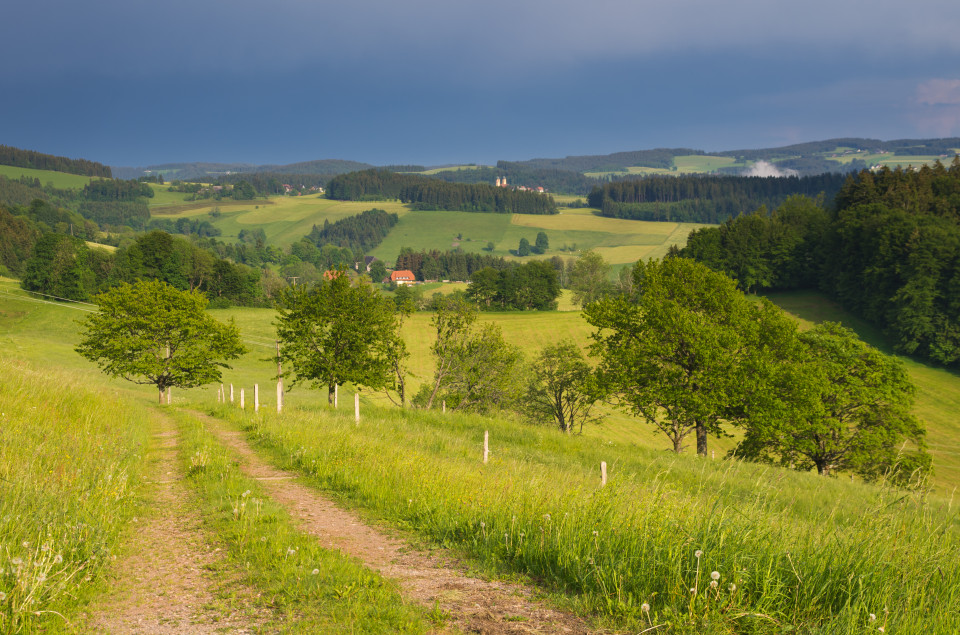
(164, 585)
(433, 580)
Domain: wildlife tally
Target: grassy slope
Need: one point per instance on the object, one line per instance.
(60, 180)
(46, 334)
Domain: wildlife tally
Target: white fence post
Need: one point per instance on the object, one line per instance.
(336, 395)
(256, 397)
(603, 473)
(486, 445)
(356, 406)
(231, 393)
(241, 399)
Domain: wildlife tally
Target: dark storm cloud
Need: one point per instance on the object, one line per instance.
(495, 36)
(435, 81)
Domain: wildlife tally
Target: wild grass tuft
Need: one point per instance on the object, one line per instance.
(70, 462)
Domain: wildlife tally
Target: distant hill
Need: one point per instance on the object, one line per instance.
(188, 171)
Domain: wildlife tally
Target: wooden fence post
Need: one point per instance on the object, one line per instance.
(241, 399)
(256, 397)
(336, 396)
(279, 396)
(231, 393)
(356, 406)
(486, 445)
(603, 473)
(444, 406)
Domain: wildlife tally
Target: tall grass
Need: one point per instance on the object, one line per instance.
(70, 463)
(792, 552)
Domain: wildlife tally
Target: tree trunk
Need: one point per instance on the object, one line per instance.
(330, 389)
(161, 395)
(677, 444)
(701, 439)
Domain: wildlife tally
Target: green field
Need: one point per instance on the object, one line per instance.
(60, 180)
(46, 333)
(800, 549)
(285, 219)
(618, 241)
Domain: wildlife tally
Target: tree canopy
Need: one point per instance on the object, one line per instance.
(150, 333)
(337, 332)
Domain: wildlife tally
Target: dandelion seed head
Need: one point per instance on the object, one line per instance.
(41, 578)
(715, 575)
(26, 545)
(291, 551)
(263, 538)
(645, 607)
(245, 494)
(45, 548)
(3, 596)
(698, 553)
(57, 559)
(235, 511)
(713, 584)
(315, 572)
(693, 591)
(596, 533)
(482, 524)
(732, 588)
(881, 629)
(16, 562)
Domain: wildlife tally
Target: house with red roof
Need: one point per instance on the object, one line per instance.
(403, 276)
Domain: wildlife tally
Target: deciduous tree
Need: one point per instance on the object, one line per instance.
(150, 333)
(337, 332)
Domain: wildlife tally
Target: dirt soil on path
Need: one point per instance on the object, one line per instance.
(431, 579)
(164, 586)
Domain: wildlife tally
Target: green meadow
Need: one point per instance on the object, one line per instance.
(60, 180)
(572, 230)
(46, 334)
(792, 552)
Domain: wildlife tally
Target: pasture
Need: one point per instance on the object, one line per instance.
(573, 230)
(60, 180)
(46, 333)
(795, 548)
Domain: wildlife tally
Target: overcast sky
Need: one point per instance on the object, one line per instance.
(128, 82)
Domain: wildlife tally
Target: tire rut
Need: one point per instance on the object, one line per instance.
(433, 580)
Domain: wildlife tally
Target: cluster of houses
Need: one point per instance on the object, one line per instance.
(502, 182)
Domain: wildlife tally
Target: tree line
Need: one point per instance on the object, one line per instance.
(703, 199)
(65, 267)
(361, 233)
(39, 161)
(889, 252)
(433, 194)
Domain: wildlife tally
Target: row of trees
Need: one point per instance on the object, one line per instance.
(39, 161)
(65, 267)
(434, 194)
(530, 286)
(446, 265)
(703, 199)
(890, 253)
(361, 233)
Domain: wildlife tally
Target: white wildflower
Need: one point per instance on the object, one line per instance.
(645, 607)
(873, 618)
(715, 575)
(698, 553)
